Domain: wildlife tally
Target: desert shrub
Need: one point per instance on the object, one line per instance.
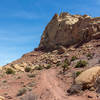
(78, 73)
(89, 55)
(29, 96)
(10, 71)
(19, 77)
(73, 58)
(31, 75)
(48, 66)
(4, 81)
(58, 64)
(81, 64)
(21, 92)
(99, 61)
(29, 88)
(39, 67)
(66, 61)
(65, 66)
(31, 84)
(74, 89)
(27, 69)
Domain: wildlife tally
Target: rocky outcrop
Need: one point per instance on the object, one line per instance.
(88, 77)
(2, 98)
(66, 30)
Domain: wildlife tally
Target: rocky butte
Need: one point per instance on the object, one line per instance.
(66, 29)
(65, 66)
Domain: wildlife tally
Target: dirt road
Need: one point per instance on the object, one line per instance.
(50, 88)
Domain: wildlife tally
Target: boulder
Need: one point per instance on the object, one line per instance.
(0, 68)
(2, 98)
(88, 77)
(61, 50)
(74, 89)
(17, 67)
(6, 67)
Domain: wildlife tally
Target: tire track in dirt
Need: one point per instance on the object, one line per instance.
(49, 87)
(50, 82)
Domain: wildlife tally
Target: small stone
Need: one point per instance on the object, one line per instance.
(90, 96)
(92, 89)
(75, 89)
(61, 50)
(8, 97)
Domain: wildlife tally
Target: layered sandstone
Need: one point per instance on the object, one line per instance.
(66, 29)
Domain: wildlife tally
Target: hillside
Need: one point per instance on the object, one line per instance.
(65, 66)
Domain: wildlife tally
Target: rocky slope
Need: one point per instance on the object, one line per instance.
(65, 66)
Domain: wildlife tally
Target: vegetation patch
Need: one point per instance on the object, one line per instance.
(66, 61)
(39, 67)
(48, 66)
(81, 63)
(58, 64)
(27, 69)
(78, 73)
(31, 75)
(4, 81)
(89, 56)
(65, 65)
(73, 58)
(30, 96)
(10, 71)
(21, 92)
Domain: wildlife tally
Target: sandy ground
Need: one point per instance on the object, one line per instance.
(50, 87)
(49, 84)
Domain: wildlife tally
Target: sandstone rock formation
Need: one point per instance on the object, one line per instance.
(88, 77)
(2, 98)
(66, 30)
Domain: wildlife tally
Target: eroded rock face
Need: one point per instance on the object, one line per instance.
(69, 29)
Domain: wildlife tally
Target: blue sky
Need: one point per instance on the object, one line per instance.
(22, 22)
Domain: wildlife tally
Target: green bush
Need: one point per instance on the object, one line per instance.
(27, 69)
(39, 67)
(10, 71)
(89, 55)
(66, 61)
(4, 81)
(81, 63)
(58, 64)
(48, 66)
(30, 96)
(65, 67)
(73, 58)
(21, 92)
(31, 75)
(78, 73)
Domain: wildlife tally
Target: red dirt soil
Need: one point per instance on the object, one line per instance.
(50, 87)
(49, 84)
